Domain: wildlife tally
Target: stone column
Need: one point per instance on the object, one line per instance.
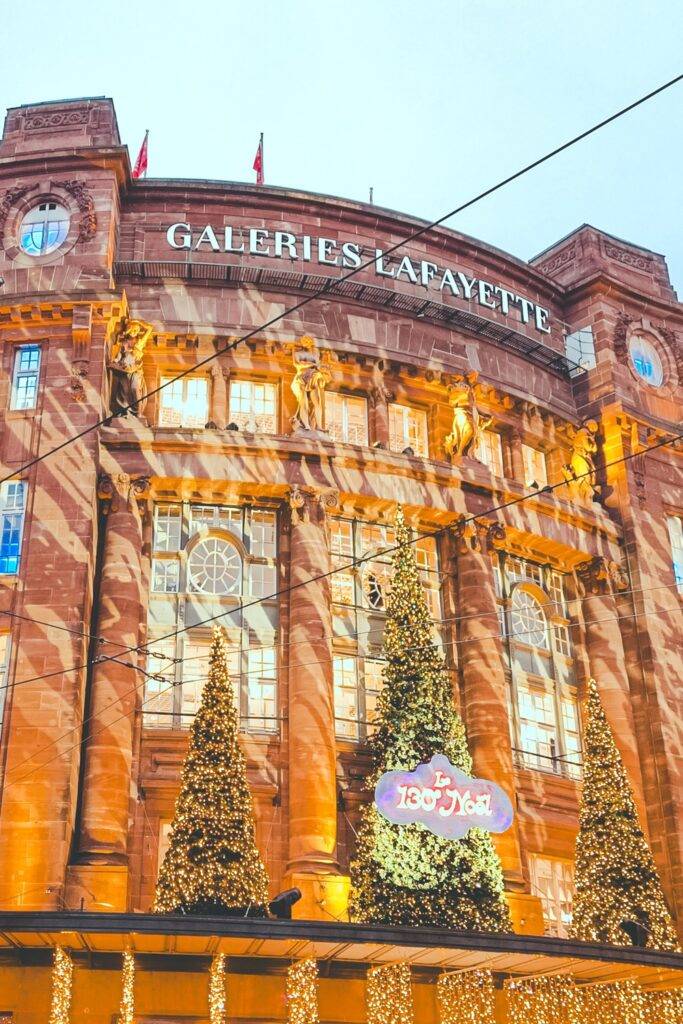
(312, 748)
(599, 579)
(219, 398)
(102, 869)
(486, 698)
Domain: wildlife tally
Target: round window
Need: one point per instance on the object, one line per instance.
(645, 361)
(528, 620)
(215, 567)
(44, 228)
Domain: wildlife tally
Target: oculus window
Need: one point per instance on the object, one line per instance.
(645, 361)
(44, 228)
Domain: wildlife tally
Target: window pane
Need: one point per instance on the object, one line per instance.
(675, 527)
(263, 534)
(184, 402)
(25, 377)
(489, 450)
(12, 496)
(408, 429)
(159, 692)
(253, 406)
(535, 473)
(4, 662)
(261, 689)
(553, 881)
(346, 418)
(165, 576)
(346, 697)
(167, 526)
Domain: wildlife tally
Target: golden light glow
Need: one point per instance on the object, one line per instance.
(218, 1003)
(541, 1000)
(621, 1002)
(466, 998)
(127, 1005)
(389, 996)
(302, 993)
(619, 897)
(62, 982)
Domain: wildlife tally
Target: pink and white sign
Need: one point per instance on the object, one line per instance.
(443, 799)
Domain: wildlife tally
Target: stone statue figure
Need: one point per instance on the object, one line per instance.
(125, 364)
(310, 380)
(580, 472)
(468, 423)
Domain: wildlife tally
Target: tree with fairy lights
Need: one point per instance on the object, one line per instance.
(212, 865)
(619, 897)
(404, 874)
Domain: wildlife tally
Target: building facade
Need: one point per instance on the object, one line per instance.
(447, 377)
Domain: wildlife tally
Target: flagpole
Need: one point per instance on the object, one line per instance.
(147, 144)
(263, 161)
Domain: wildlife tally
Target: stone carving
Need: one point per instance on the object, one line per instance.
(379, 393)
(125, 364)
(557, 261)
(121, 488)
(628, 258)
(621, 329)
(478, 535)
(85, 204)
(580, 472)
(10, 197)
(308, 387)
(468, 422)
(79, 371)
(56, 119)
(601, 576)
(310, 503)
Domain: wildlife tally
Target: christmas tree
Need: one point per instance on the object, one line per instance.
(403, 874)
(212, 864)
(619, 897)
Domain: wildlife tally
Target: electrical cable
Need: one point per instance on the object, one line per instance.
(335, 281)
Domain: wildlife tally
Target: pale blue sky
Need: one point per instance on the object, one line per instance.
(428, 103)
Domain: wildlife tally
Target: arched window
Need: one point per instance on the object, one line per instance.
(527, 619)
(215, 567)
(44, 228)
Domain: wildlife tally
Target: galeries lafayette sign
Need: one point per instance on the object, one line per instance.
(329, 252)
(443, 799)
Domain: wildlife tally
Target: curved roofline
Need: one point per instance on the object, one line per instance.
(351, 204)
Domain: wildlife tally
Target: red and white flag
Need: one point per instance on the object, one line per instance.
(140, 169)
(258, 162)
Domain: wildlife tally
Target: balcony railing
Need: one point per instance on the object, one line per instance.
(570, 766)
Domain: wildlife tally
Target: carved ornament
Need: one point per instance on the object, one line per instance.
(125, 365)
(310, 504)
(580, 472)
(479, 535)
(601, 576)
(468, 423)
(84, 200)
(10, 197)
(311, 377)
(121, 490)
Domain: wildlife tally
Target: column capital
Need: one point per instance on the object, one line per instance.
(310, 504)
(478, 535)
(601, 576)
(121, 489)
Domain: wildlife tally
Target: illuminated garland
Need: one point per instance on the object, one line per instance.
(545, 1000)
(127, 1005)
(62, 982)
(302, 992)
(620, 1002)
(389, 996)
(664, 1007)
(218, 1004)
(466, 998)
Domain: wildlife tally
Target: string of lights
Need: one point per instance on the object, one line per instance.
(127, 1005)
(333, 281)
(277, 718)
(218, 1002)
(62, 984)
(302, 992)
(466, 997)
(389, 995)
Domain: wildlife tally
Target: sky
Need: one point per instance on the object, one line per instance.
(428, 103)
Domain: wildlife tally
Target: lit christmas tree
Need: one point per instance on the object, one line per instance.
(403, 874)
(212, 865)
(619, 897)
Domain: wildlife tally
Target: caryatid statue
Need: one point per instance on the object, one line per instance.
(125, 364)
(310, 380)
(468, 423)
(580, 472)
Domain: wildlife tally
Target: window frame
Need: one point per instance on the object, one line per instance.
(46, 249)
(675, 533)
(531, 463)
(6, 513)
(171, 379)
(535, 859)
(252, 416)
(193, 521)
(420, 449)
(496, 464)
(344, 399)
(19, 375)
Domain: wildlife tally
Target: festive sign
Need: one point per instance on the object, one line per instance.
(443, 799)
